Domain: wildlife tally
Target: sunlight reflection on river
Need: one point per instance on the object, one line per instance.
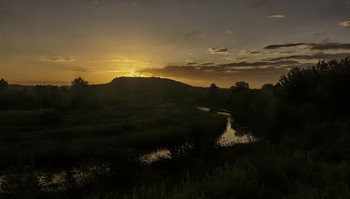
(228, 138)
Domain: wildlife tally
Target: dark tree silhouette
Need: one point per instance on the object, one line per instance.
(3, 84)
(241, 84)
(213, 95)
(79, 83)
(267, 86)
(213, 91)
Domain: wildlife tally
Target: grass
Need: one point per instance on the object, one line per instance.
(262, 171)
(52, 141)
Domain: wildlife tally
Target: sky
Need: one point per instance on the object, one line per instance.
(197, 42)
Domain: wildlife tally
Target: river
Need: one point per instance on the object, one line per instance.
(228, 138)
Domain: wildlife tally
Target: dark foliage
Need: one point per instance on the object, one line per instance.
(298, 105)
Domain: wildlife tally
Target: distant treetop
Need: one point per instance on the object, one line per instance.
(3, 83)
(241, 84)
(79, 83)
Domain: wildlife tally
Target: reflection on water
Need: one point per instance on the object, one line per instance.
(61, 180)
(203, 108)
(228, 138)
(155, 156)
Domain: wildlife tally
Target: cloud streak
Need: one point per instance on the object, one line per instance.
(311, 46)
(220, 69)
(249, 52)
(276, 16)
(345, 24)
(57, 59)
(218, 50)
(317, 56)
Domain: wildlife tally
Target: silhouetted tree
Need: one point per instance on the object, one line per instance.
(241, 84)
(267, 86)
(79, 83)
(213, 91)
(213, 94)
(3, 84)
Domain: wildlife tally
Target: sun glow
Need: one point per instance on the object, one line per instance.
(134, 73)
(130, 67)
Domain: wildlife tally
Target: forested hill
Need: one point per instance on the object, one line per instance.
(144, 82)
(148, 85)
(83, 95)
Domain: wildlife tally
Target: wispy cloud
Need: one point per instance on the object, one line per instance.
(316, 56)
(120, 60)
(57, 59)
(345, 24)
(191, 62)
(276, 16)
(312, 46)
(219, 69)
(249, 52)
(218, 50)
(277, 46)
(258, 64)
(281, 52)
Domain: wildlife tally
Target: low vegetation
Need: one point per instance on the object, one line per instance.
(85, 141)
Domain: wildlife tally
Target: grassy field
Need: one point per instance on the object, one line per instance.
(45, 142)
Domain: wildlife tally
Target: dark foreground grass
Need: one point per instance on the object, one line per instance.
(261, 171)
(28, 137)
(97, 151)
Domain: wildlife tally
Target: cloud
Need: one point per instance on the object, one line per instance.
(249, 52)
(194, 34)
(218, 50)
(191, 62)
(316, 56)
(218, 69)
(57, 59)
(229, 31)
(277, 46)
(312, 46)
(258, 64)
(207, 64)
(282, 52)
(276, 16)
(120, 60)
(345, 24)
(330, 46)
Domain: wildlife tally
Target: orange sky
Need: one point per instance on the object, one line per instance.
(198, 42)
